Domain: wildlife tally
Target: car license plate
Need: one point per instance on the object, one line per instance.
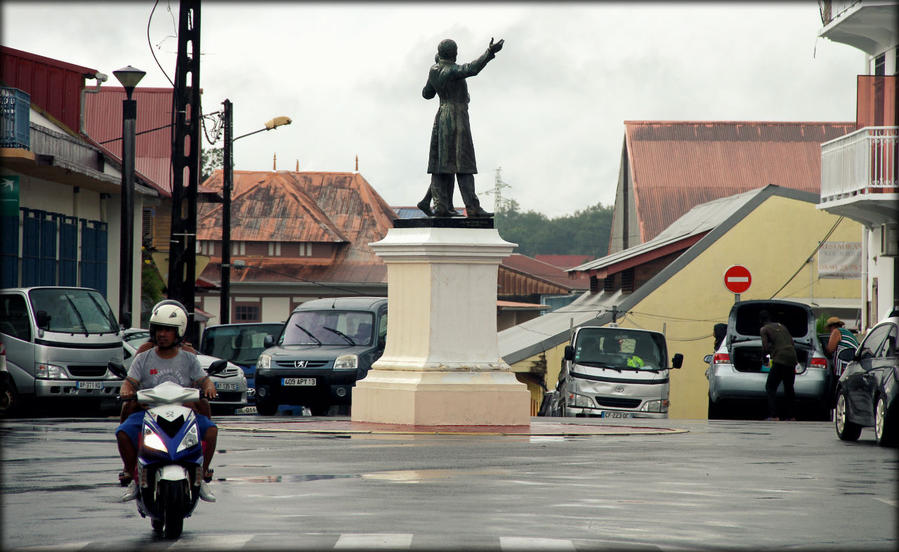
(298, 381)
(225, 386)
(615, 414)
(89, 385)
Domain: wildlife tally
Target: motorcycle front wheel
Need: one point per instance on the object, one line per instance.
(173, 500)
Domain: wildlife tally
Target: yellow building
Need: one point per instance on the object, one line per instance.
(678, 287)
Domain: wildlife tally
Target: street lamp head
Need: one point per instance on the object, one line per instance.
(129, 77)
(277, 121)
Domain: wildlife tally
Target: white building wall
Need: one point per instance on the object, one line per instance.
(879, 284)
(275, 309)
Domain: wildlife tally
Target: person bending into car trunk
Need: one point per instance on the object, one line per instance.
(777, 342)
(165, 362)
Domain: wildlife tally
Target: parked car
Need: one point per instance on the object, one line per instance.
(613, 372)
(326, 346)
(58, 342)
(241, 344)
(737, 374)
(230, 384)
(866, 392)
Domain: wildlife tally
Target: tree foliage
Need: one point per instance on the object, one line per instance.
(210, 160)
(586, 232)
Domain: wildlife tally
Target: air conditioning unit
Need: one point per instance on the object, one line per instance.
(889, 240)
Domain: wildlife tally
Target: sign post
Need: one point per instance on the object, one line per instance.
(737, 279)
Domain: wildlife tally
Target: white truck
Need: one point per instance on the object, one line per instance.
(614, 372)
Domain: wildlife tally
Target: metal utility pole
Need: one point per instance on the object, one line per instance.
(227, 183)
(186, 159)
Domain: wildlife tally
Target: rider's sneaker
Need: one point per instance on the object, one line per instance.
(206, 493)
(129, 493)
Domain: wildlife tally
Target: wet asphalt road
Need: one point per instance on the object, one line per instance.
(719, 485)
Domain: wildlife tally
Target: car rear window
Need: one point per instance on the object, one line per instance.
(238, 344)
(796, 318)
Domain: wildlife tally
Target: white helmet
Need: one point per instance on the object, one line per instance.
(169, 315)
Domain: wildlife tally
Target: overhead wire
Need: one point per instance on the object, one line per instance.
(809, 258)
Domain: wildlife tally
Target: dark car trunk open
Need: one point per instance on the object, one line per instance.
(747, 357)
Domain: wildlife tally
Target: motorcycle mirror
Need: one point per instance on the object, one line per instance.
(217, 366)
(117, 369)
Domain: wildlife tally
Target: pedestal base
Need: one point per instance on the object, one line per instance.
(430, 398)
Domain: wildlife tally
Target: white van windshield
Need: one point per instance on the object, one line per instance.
(73, 311)
(329, 328)
(620, 349)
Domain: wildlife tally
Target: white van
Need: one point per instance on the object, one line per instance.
(58, 342)
(613, 372)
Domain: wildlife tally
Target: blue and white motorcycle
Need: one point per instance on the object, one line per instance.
(169, 454)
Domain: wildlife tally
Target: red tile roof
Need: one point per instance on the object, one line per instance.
(676, 165)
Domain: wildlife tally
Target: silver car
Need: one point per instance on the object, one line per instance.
(231, 384)
(737, 374)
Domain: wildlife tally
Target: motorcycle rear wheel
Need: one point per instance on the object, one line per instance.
(158, 525)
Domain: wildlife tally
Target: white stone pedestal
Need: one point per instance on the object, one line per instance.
(441, 365)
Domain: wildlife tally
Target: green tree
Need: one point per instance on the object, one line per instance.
(210, 160)
(586, 232)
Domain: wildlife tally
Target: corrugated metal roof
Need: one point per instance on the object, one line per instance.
(676, 165)
(54, 86)
(698, 220)
(563, 261)
(153, 150)
(545, 271)
(286, 206)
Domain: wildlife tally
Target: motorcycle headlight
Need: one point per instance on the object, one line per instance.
(153, 441)
(655, 406)
(346, 362)
(51, 371)
(264, 362)
(191, 438)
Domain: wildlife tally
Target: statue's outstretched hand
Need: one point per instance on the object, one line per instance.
(494, 48)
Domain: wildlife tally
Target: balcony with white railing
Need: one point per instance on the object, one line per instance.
(868, 25)
(858, 175)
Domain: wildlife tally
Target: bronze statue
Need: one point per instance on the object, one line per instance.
(452, 150)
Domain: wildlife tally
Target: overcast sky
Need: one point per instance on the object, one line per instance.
(549, 109)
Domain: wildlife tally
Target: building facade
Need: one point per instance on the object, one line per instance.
(858, 171)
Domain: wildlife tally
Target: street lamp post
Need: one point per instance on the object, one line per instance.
(227, 185)
(128, 77)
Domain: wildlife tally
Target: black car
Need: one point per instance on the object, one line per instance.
(866, 392)
(326, 346)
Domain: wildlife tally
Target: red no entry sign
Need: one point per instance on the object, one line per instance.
(737, 279)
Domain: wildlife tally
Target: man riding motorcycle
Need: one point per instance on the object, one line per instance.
(164, 362)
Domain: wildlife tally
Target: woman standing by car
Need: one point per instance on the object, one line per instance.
(840, 339)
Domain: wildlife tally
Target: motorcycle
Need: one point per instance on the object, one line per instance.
(169, 454)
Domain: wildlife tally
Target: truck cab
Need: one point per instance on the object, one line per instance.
(613, 372)
(58, 342)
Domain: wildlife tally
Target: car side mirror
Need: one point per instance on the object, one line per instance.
(707, 359)
(268, 341)
(43, 320)
(117, 369)
(569, 353)
(677, 361)
(217, 367)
